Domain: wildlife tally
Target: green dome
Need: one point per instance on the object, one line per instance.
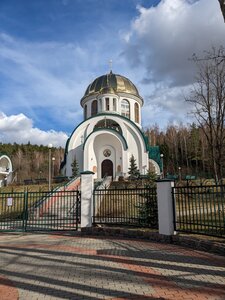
(111, 83)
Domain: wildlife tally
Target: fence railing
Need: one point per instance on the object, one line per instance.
(27, 211)
(200, 209)
(134, 207)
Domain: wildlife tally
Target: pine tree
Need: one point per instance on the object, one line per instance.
(151, 177)
(133, 169)
(75, 168)
(148, 209)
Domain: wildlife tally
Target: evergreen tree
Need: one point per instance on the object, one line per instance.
(75, 168)
(151, 177)
(147, 207)
(133, 169)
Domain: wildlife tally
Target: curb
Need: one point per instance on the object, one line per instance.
(196, 243)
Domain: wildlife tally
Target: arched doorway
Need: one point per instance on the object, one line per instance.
(107, 168)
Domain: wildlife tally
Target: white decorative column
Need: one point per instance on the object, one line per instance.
(165, 207)
(87, 187)
(103, 104)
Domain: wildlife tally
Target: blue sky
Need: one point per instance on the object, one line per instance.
(51, 50)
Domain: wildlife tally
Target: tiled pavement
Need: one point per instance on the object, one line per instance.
(47, 266)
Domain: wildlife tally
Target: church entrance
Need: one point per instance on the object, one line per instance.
(107, 168)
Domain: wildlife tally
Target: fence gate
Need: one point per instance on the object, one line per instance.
(34, 211)
(134, 207)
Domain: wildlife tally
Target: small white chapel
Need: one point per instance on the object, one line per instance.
(111, 131)
(5, 169)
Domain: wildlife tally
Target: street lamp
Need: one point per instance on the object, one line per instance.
(161, 156)
(49, 166)
(39, 181)
(179, 170)
(53, 166)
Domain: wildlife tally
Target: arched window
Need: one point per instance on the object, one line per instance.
(108, 123)
(125, 108)
(136, 112)
(94, 108)
(106, 103)
(85, 112)
(114, 104)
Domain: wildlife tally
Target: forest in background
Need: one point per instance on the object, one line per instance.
(32, 161)
(183, 147)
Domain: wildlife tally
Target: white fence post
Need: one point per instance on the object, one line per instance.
(87, 187)
(165, 207)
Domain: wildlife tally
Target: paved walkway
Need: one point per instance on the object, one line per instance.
(46, 266)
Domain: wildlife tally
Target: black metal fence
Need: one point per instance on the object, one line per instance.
(31, 211)
(134, 207)
(200, 209)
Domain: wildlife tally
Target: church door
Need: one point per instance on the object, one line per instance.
(107, 168)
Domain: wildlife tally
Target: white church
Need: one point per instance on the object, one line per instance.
(111, 131)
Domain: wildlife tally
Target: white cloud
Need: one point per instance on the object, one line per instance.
(163, 38)
(159, 45)
(166, 105)
(19, 128)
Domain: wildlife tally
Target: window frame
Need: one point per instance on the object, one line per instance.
(125, 108)
(136, 113)
(107, 107)
(94, 107)
(85, 111)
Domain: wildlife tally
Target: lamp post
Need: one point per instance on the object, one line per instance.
(53, 166)
(49, 166)
(179, 170)
(161, 156)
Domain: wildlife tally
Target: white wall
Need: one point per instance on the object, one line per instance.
(165, 207)
(93, 152)
(90, 156)
(102, 108)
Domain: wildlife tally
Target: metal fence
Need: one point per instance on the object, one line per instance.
(31, 211)
(200, 209)
(134, 207)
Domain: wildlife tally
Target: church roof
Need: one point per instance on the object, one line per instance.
(111, 83)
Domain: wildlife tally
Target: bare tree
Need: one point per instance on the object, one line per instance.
(222, 7)
(208, 97)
